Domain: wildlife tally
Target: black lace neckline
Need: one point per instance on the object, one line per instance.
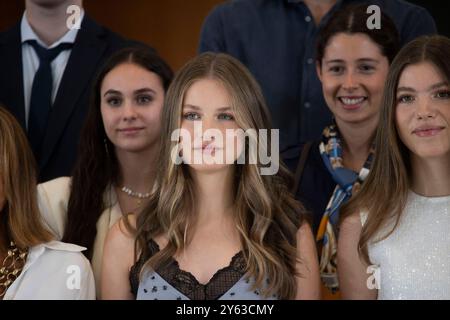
(185, 282)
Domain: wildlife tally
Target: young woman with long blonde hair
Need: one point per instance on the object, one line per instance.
(214, 230)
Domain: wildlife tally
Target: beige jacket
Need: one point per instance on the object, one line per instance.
(53, 198)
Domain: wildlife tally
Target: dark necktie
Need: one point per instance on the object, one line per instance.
(41, 94)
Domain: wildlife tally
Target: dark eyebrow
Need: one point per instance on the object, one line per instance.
(112, 91)
(438, 85)
(335, 61)
(191, 106)
(359, 60)
(430, 88)
(368, 60)
(198, 108)
(408, 89)
(224, 109)
(144, 90)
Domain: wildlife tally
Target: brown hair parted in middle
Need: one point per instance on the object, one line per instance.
(353, 19)
(384, 194)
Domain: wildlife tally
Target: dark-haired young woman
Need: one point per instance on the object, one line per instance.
(118, 149)
(352, 63)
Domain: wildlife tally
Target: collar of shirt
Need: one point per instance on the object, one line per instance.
(35, 252)
(33, 265)
(27, 33)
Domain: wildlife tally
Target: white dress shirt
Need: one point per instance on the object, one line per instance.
(30, 60)
(53, 199)
(54, 271)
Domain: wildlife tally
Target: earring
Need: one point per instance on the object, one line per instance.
(106, 146)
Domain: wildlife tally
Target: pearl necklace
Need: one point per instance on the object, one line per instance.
(135, 194)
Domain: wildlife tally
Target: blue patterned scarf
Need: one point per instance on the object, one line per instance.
(347, 182)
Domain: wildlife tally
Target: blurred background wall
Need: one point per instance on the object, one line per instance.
(171, 26)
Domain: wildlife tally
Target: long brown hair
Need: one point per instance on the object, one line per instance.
(384, 194)
(19, 178)
(97, 166)
(267, 215)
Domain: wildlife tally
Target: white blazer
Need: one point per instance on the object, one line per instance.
(53, 198)
(54, 271)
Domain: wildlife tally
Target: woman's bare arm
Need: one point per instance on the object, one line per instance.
(352, 270)
(308, 280)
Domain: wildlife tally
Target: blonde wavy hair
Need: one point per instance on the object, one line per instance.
(267, 215)
(18, 176)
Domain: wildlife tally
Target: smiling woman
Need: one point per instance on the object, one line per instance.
(352, 72)
(399, 220)
(352, 64)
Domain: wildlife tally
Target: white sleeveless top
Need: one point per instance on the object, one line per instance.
(414, 261)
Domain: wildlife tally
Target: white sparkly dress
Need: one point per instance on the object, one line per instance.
(414, 261)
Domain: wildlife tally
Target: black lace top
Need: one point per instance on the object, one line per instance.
(186, 283)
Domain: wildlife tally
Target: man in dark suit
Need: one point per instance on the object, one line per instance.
(47, 64)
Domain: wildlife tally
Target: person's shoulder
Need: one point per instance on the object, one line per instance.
(61, 183)
(120, 237)
(118, 41)
(10, 33)
(402, 4)
(56, 257)
(114, 40)
(400, 8)
(59, 270)
(53, 198)
(55, 190)
(60, 246)
(119, 247)
(67, 252)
